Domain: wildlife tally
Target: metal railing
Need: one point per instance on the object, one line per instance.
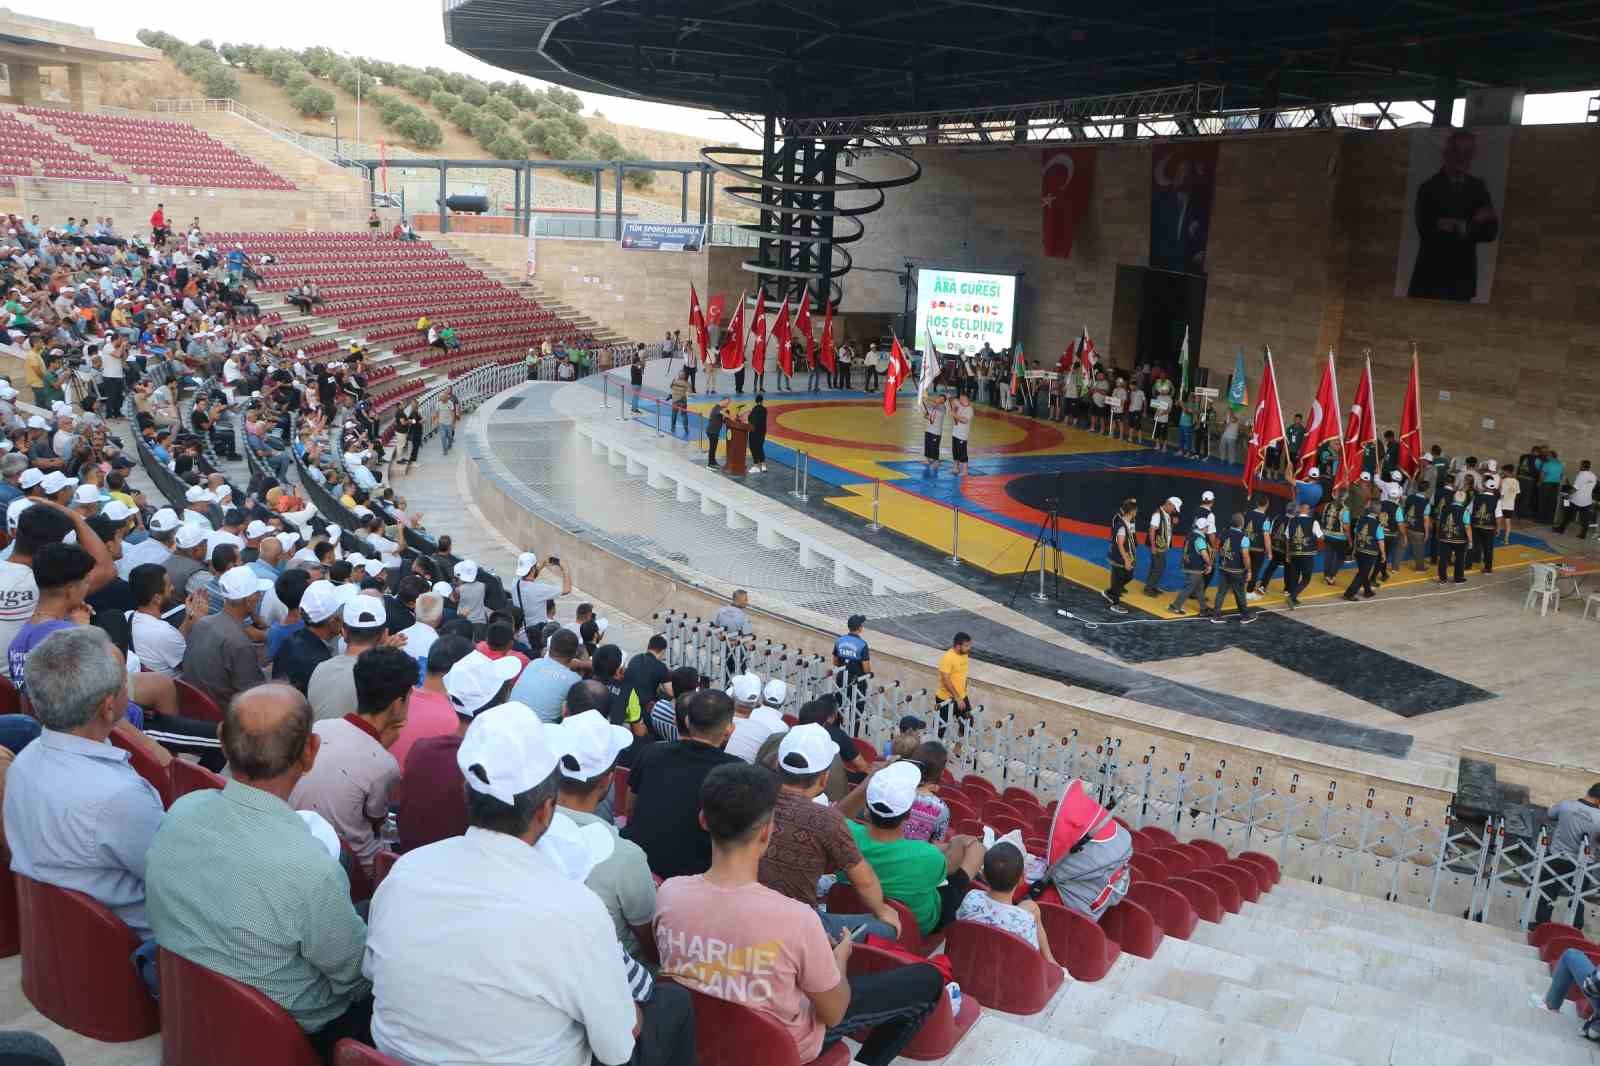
(605, 229)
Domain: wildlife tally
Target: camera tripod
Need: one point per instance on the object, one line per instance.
(1048, 538)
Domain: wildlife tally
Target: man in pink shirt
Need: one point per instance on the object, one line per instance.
(432, 714)
(725, 934)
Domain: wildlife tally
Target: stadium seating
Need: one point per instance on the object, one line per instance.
(727, 1034)
(942, 1030)
(209, 1019)
(167, 153)
(160, 777)
(1000, 969)
(75, 965)
(350, 1053)
(23, 145)
(190, 777)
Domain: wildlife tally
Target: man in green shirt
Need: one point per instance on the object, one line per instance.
(236, 882)
(931, 880)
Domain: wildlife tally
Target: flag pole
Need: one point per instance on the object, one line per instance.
(1283, 449)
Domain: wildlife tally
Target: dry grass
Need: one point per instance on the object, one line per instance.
(134, 85)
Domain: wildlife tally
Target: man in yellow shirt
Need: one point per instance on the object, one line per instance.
(952, 692)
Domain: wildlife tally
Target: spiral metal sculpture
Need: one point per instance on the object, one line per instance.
(796, 183)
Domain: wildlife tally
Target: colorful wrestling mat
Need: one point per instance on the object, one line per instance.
(1017, 466)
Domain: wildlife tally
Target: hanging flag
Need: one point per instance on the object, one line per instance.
(1266, 429)
(1019, 369)
(895, 376)
(1087, 353)
(931, 366)
(825, 349)
(802, 322)
(1183, 364)
(1238, 392)
(715, 308)
(758, 337)
(1362, 427)
(1411, 423)
(780, 333)
(1323, 426)
(732, 353)
(1067, 182)
(697, 322)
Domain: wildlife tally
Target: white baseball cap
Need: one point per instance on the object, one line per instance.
(256, 530)
(593, 745)
(525, 562)
(31, 477)
(508, 750)
(466, 570)
(1396, 476)
(476, 679)
(746, 688)
(776, 694)
(575, 850)
(441, 588)
(55, 481)
(1313, 472)
(37, 422)
(1207, 496)
(189, 535)
(14, 512)
(808, 749)
(288, 539)
(241, 583)
(373, 567)
(319, 602)
(164, 521)
(893, 790)
(365, 612)
(1366, 475)
(7, 392)
(86, 494)
(199, 494)
(118, 511)
(1177, 504)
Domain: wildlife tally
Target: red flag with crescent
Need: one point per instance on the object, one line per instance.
(895, 376)
(1266, 428)
(1411, 423)
(802, 322)
(697, 320)
(758, 335)
(780, 333)
(1323, 427)
(1362, 427)
(1067, 182)
(733, 341)
(825, 349)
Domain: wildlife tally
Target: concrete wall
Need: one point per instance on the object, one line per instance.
(1301, 257)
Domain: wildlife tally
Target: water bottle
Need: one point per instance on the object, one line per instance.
(954, 991)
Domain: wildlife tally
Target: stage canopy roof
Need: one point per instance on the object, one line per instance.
(819, 58)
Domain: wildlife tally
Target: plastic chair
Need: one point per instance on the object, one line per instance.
(381, 865)
(1133, 927)
(145, 765)
(1200, 857)
(728, 1034)
(942, 1030)
(1242, 876)
(190, 777)
(193, 703)
(1167, 906)
(1159, 836)
(620, 796)
(844, 899)
(1077, 942)
(1005, 823)
(1543, 588)
(1261, 877)
(10, 698)
(1215, 852)
(1542, 933)
(1148, 868)
(995, 808)
(76, 967)
(208, 1018)
(1001, 970)
(1227, 890)
(1267, 862)
(1552, 950)
(1179, 863)
(10, 917)
(361, 885)
(1016, 794)
(1202, 898)
(352, 1053)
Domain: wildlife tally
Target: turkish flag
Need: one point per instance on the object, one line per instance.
(1361, 428)
(1266, 429)
(1323, 426)
(1411, 423)
(825, 349)
(716, 307)
(697, 320)
(733, 342)
(758, 335)
(1066, 183)
(802, 322)
(780, 333)
(899, 370)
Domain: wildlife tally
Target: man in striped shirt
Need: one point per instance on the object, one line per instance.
(663, 713)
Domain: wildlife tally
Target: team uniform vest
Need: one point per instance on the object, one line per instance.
(1452, 524)
(1161, 536)
(1333, 520)
(1230, 551)
(1388, 513)
(1280, 536)
(1192, 559)
(1302, 535)
(1201, 513)
(1483, 509)
(1417, 510)
(1119, 525)
(1254, 525)
(1367, 534)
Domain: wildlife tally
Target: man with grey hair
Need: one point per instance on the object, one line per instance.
(77, 815)
(11, 468)
(421, 634)
(239, 884)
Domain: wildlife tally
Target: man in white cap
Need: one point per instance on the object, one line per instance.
(530, 594)
(332, 688)
(622, 880)
(198, 502)
(313, 643)
(665, 781)
(729, 916)
(470, 593)
(188, 558)
(354, 773)
(1159, 540)
(58, 487)
(753, 721)
(433, 808)
(455, 910)
(155, 548)
(86, 500)
(810, 838)
(221, 658)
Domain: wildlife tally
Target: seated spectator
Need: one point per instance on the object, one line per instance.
(622, 880)
(499, 639)
(720, 931)
(664, 713)
(1002, 872)
(544, 684)
(906, 739)
(1572, 968)
(332, 688)
(646, 678)
(424, 630)
(753, 721)
(449, 954)
(302, 651)
(930, 815)
(431, 714)
(281, 608)
(235, 881)
(930, 880)
(159, 644)
(76, 814)
(354, 771)
(220, 659)
(665, 782)
(824, 710)
(810, 840)
(433, 807)
(470, 591)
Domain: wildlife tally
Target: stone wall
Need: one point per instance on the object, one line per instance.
(1301, 256)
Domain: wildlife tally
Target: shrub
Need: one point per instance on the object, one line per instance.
(567, 101)
(521, 95)
(486, 127)
(351, 79)
(463, 115)
(560, 145)
(219, 82)
(507, 146)
(297, 81)
(419, 130)
(313, 101)
(444, 101)
(474, 93)
(499, 105)
(424, 86)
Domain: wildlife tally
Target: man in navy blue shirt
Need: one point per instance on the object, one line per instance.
(852, 654)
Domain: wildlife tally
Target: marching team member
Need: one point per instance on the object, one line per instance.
(1455, 537)
(1367, 538)
(1197, 556)
(1304, 534)
(1121, 554)
(1233, 550)
(1485, 518)
(1259, 528)
(1160, 542)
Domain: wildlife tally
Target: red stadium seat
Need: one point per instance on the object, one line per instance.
(10, 919)
(1077, 942)
(361, 886)
(76, 964)
(1203, 898)
(1551, 951)
(1133, 927)
(192, 703)
(1266, 862)
(966, 827)
(1162, 837)
(350, 1053)
(1179, 863)
(10, 698)
(1199, 857)
(728, 1034)
(961, 809)
(1148, 868)
(978, 781)
(942, 1030)
(1005, 823)
(1001, 970)
(145, 765)
(1018, 794)
(1214, 851)
(190, 777)
(843, 899)
(208, 1019)
(620, 796)
(1539, 934)
(382, 865)
(1244, 877)
(996, 808)
(1168, 906)
(1227, 890)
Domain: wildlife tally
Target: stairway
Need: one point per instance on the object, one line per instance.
(308, 171)
(378, 354)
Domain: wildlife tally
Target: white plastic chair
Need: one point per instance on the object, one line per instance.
(1542, 579)
(1590, 604)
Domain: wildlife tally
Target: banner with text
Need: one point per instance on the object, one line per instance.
(663, 236)
(959, 311)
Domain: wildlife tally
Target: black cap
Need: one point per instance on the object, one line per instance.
(910, 722)
(855, 621)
